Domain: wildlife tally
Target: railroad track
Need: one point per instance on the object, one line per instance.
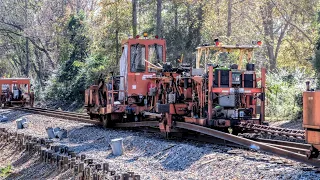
(291, 133)
(59, 114)
(290, 150)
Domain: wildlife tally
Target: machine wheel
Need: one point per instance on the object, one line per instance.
(235, 131)
(166, 135)
(313, 152)
(105, 120)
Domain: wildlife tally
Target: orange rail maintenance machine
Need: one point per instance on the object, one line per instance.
(149, 89)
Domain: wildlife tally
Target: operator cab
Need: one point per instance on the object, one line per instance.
(210, 54)
(141, 58)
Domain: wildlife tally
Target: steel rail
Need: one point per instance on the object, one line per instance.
(213, 140)
(51, 111)
(282, 143)
(292, 149)
(290, 146)
(249, 143)
(62, 115)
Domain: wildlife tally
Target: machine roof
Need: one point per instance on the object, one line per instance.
(14, 78)
(228, 47)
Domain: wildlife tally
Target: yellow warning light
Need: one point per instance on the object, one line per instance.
(145, 34)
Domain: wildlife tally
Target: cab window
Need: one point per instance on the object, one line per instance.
(138, 56)
(5, 87)
(154, 56)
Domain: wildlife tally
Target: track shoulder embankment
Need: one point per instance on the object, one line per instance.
(148, 154)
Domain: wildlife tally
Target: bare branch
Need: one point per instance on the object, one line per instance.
(280, 39)
(34, 43)
(288, 21)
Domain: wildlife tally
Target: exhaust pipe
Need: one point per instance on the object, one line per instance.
(308, 85)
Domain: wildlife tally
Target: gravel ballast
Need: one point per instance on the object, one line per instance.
(148, 155)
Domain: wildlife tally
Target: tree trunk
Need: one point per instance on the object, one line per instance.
(134, 17)
(117, 35)
(267, 21)
(217, 4)
(159, 23)
(78, 6)
(27, 58)
(175, 16)
(117, 47)
(229, 18)
(39, 70)
(200, 20)
(27, 42)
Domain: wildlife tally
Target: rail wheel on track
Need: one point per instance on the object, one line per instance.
(92, 116)
(105, 120)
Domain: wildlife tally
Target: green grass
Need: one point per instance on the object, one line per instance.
(4, 172)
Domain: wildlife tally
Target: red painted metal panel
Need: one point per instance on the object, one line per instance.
(245, 90)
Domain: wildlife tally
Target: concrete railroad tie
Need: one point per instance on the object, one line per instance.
(62, 158)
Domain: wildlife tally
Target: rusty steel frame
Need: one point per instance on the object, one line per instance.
(244, 50)
(138, 124)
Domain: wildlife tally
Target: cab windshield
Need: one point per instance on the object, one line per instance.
(154, 56)
(138, 56)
